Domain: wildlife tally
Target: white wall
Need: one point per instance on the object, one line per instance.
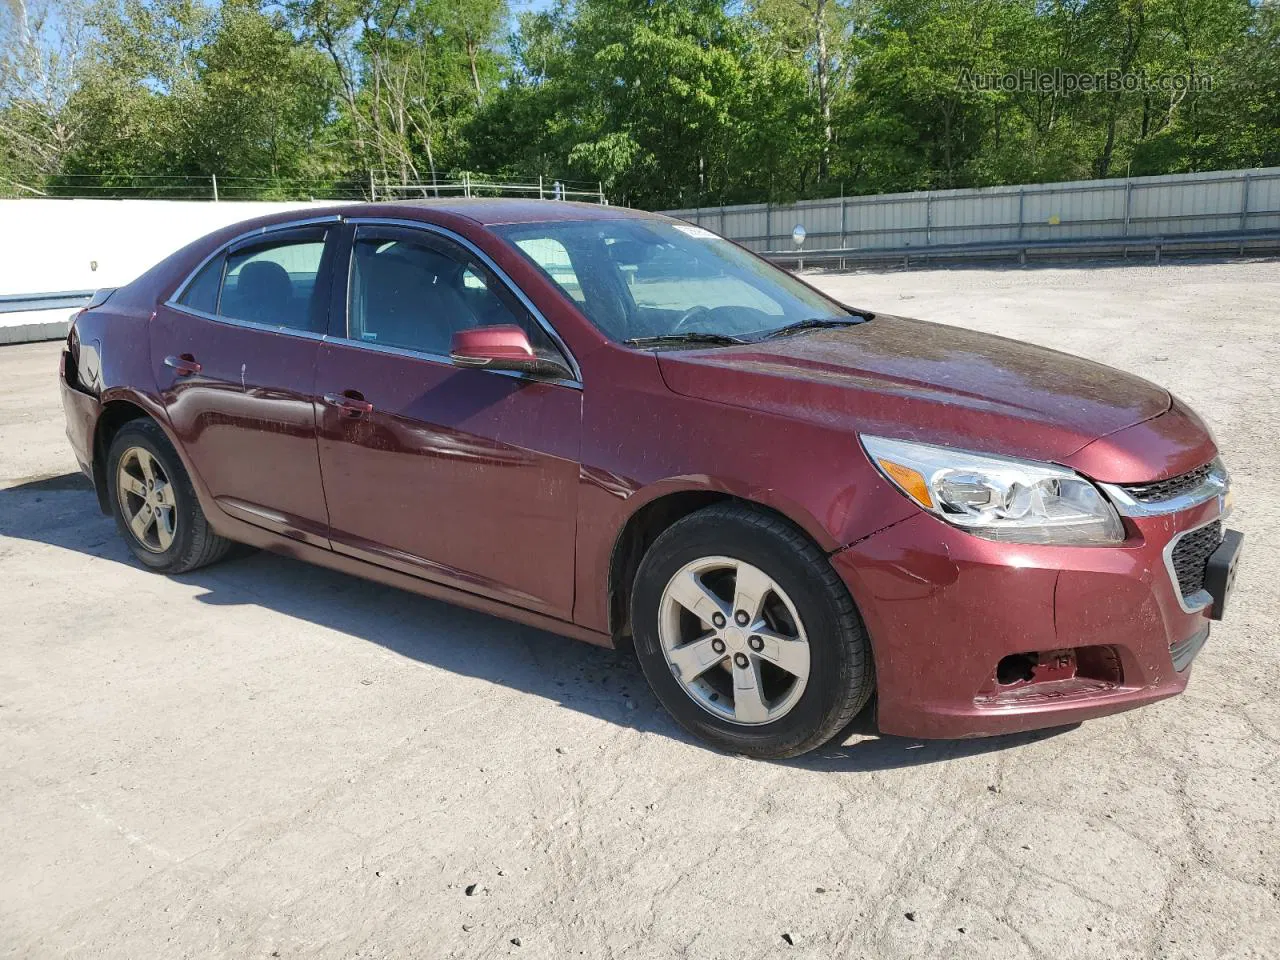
(48, 246)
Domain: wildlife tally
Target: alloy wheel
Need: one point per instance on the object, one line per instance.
(734, 640)
(146, 499)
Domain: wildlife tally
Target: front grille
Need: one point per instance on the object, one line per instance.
(1163, 490)
(1190, 555)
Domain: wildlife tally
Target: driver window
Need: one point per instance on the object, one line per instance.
(416, 292)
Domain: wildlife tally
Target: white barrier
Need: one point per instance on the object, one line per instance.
(50, 246)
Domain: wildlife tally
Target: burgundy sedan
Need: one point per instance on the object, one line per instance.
(623, 428)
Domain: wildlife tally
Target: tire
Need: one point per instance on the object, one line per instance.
(806, 600)
(177, 538)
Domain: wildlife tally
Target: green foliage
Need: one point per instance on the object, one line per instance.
(665, 102)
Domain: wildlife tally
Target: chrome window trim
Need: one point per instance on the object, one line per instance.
(247, 324)
(497, 272)
(443, 360)
(374, 347)
(173, 304)
(181, 288)
(1201, 598)
(1216, 484)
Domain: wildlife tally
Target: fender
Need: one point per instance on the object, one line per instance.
(762, 496)
(607, 504)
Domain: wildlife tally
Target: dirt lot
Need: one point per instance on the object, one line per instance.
(264, 759)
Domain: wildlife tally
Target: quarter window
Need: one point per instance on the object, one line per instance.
(202, 292)
(415, 292)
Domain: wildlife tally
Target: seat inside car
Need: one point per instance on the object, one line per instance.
(264, 294)
(407, 296)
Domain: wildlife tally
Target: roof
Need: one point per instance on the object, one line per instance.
(483, 211)
(495, 210)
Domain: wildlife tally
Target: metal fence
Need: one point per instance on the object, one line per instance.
(1207, 211)
(468, 186)
(215, 188)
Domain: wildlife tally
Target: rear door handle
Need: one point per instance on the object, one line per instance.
(183, 366)
(352, 403)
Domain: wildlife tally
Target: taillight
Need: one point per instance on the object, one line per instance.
(70, 362)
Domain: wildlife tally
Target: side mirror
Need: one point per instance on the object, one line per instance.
(502, 347)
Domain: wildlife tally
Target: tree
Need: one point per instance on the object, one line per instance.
(39, 72)
(409, 74)
(666, 102)
(140, 98)
(261, 101)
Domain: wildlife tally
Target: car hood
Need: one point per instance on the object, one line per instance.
(924, 381)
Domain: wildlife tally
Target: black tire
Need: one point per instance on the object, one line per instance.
(841, 674)
(194, 542)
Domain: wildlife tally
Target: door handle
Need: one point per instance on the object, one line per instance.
(183, 366)
(350, 402)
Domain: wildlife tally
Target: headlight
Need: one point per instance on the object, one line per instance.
(1019, 501)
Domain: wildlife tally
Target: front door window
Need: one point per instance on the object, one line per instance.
(415, 291)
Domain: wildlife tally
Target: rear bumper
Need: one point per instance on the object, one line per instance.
(944, 608)
(81, 410)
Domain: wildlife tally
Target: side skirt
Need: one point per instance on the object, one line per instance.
(242, 532)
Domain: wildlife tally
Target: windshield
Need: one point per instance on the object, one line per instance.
(638, 279)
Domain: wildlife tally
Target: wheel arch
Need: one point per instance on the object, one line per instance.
(651, 519)
(119, 408)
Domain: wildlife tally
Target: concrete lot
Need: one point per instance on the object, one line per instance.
(265, 759)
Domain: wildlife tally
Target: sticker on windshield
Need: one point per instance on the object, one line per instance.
(689, 230)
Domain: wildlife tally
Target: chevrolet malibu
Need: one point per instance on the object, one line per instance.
(623, 428)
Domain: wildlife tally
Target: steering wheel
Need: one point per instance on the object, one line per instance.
(686, 318)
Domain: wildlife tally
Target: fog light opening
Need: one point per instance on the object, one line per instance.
(1016, 668)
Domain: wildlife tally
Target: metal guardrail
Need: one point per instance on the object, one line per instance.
(22, 302)
(1240, 201)
(1238, 242)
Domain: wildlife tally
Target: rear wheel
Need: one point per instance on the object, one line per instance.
(747, 635)
(154, 503)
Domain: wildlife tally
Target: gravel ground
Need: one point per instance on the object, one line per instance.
(265, 759)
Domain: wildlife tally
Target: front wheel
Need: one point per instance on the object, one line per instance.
(747, 635)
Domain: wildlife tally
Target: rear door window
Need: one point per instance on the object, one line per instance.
(275, 283)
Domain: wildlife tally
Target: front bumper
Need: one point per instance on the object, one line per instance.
(944, 608)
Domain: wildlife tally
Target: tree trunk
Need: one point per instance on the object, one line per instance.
(946, 141)
(824, 87)
(1133, 39)
(475, 74)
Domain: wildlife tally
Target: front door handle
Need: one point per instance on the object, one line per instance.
(351, 402)
(184, 366)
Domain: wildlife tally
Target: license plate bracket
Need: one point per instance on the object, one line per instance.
(1220, 571)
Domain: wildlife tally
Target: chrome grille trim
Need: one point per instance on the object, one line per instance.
(1199, 598)
(1162, 490)
(1172, 495)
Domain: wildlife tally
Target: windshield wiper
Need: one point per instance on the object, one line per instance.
(816, 323)
(692, 336)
